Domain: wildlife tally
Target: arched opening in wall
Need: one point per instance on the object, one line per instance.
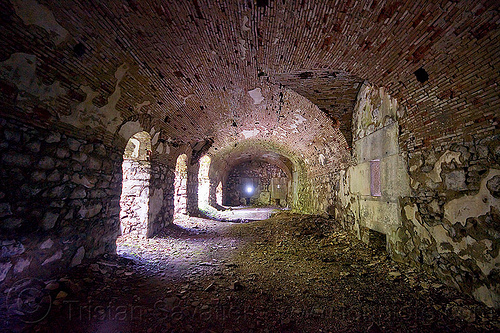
(257, 183)
(218, 194)
(203, 182)
(134, 200)
(180, 186)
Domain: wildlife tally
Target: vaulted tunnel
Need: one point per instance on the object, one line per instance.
(125, 124)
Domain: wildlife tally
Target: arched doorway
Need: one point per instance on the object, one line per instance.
(134, 200)
(203, 182)
(257, 183)
(218, 194)
(180, 186)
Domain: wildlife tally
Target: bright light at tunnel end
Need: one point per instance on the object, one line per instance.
(249, 189)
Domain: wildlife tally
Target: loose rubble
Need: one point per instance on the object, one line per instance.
(291, 273)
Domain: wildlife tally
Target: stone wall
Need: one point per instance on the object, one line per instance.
(147, 203)
(323, 192)
(438, 207)
(375, 141)
(192, 189)
(134, 202)
(161, 197)
(180, 185)
(261, 174)
(451, 223)
(318, 180)
(59, 200)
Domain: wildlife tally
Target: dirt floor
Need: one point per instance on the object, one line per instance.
(291, 273)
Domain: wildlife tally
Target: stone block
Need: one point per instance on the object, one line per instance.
(90, 211)
(46, 163)
(5, 209)
(11, 223)
(78, 193)
(13, 248)
(53, 137)
(38, 176)
(16, 159)
(55, 257)
(80, 157)
(34, 146)
(94, 163)
(73, 144)
(82, 180)
(455, 180)
(12, 136)
(493, 185)
(55, 176)
(47, 244)
(62, 152)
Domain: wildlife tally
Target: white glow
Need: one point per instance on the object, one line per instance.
(249, 189)
(203, 181)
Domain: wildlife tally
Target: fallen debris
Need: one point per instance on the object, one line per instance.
(290, 273)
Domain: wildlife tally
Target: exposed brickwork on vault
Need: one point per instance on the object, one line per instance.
(237, 82)
(184, 63)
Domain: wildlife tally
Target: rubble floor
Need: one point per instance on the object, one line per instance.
(290, 273)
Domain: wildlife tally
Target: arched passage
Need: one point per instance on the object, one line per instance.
(218, 194)
(203, 182)
(180, 186)
(276, 175)
(434, 148)
(134, 200)
(256, 183)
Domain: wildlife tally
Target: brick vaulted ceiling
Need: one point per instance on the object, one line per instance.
(334, 92)
(191, 64)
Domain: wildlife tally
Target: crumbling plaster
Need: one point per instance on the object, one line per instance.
(31, 12)
(436, 208)
(21, 70)
(108, 117)
(444, 176)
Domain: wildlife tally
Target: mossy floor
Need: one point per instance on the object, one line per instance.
(290, 273)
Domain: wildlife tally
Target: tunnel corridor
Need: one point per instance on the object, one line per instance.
(249, 166)
(291, 273)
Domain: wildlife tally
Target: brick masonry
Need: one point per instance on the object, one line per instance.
(261, 175)
(439, 208)
(230, 80)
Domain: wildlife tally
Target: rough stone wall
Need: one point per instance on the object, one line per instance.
(134, 201)
(439, 208)
(317, 192)
(323, 192)
(161, 197)
(59, 200)
(451, 222)
(261, 173)
(147, 201)
(192, 189)
(180, 185)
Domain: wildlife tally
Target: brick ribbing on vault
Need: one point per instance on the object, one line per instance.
(175, 50)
